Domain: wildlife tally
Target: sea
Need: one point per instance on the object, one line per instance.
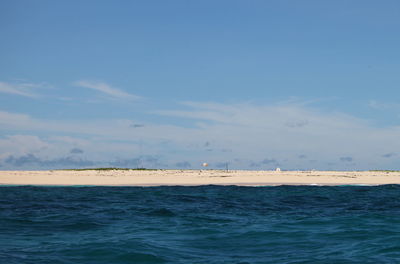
(204, 224)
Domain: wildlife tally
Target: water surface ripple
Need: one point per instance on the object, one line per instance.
(206, 224)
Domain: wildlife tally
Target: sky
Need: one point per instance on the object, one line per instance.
(299, 85)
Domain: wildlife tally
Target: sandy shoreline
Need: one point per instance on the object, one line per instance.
(196, 177)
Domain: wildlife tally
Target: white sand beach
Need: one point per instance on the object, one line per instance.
(196, 177)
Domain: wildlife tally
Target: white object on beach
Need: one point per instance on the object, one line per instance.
(205, 164)
(278, 169)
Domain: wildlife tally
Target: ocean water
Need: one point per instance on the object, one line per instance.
(207, 224)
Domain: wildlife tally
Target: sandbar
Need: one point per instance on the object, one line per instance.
(196, 177)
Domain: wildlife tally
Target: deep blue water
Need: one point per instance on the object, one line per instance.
(208, 224)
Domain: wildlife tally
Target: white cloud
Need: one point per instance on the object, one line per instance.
(21, 145)
(8, 119)
(22, 89)
(251, 133)
(383, 105)
(256, 130)
(107, 89)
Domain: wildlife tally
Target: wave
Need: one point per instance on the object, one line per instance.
(203, 224)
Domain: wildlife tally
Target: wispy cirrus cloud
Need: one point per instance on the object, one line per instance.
(377, 105)
(21, 89)
(32, 160)
(245, 131)
(106, 89)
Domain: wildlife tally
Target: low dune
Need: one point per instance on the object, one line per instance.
(196, 177)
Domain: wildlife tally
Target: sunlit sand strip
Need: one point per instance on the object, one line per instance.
(196, 177)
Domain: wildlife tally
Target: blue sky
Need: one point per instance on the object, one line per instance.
(173, 84)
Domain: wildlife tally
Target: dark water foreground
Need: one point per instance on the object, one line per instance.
(209, 224)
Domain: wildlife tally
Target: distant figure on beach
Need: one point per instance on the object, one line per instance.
(278, 169)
